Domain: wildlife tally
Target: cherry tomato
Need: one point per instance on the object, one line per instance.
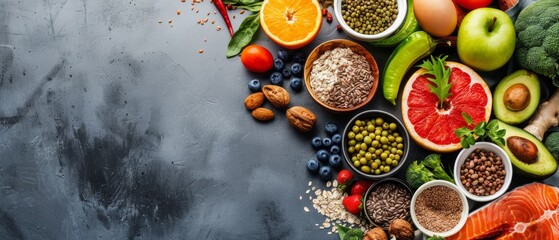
(473, 4)
(256, 58)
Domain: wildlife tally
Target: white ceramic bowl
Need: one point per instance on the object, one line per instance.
(402, 9)
(490, 147)
(463, 216)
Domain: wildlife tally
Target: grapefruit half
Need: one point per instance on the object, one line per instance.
(432, 127)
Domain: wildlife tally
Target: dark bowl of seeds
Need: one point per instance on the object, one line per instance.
(386, 200)
(375, 144)
(370, 21)
(341, 75)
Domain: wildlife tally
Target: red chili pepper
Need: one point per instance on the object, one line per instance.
(223, 11)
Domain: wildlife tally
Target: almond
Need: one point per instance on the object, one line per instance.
(262, 114)
(278, 96)
(255, 100)
(301, 118)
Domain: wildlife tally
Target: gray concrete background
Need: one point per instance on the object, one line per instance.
(113, 126)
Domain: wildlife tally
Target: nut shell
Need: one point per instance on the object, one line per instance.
(278, 96)
(301, 118)
(254, 101)
(376, 233)
(401, 229)
(262, 114)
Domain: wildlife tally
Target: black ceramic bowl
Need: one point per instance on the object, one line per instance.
(400, 129)
(374, 187)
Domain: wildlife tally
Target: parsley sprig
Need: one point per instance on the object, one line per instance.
(436, 67)
(482, 130)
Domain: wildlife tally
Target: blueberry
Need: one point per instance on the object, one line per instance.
(283, 54)
(325, 173)
(276, 78)
(322, 155)
(296, 69)
(326, 142)
(278, 64)
(254, 85)
(337, 139)
(296, 84)
(299, 57)
(313, 165)
(316, 143)
(335, 161)
(334, 149)
(286, 72)
(331, 128)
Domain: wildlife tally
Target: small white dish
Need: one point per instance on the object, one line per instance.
(489, 147)
(402, 10)
(463, 215)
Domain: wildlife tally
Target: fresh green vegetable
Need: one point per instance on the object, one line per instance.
(482, 131)
(244, 34)
(430, 168)
(253, 7)
(435, 238)
(537, 45)
(552, 144)
(410, 25)
(441, 87)
(346, 233)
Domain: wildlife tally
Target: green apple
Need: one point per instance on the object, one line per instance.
(486, 39)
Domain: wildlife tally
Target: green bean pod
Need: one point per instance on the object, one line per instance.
(415, 47)
(410, 26)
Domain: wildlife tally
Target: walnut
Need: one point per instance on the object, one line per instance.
(376, 234)
(401, 229)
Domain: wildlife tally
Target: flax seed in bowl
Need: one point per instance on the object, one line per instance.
(387, 200)
(341, 75)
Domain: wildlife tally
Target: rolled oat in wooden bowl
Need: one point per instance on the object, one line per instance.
(341, 75)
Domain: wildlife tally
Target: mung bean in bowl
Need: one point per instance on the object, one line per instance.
(341, 75)
(439, 208)
(370, 20)
(375, 144)
(483, 172)
(386, 200)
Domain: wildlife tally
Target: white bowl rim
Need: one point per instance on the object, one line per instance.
(504, 158)
(402, 12)
(463, 215)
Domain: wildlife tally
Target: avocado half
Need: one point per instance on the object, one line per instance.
(546, 164)
(520, 79)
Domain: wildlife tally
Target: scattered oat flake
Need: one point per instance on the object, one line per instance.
(310, 183)
(335, 184)
(213, 21)
(160, 21)
(242, 11)
(328, 184)
(308, 191)
(201, 51)
(329, 233)
(306, 209)
(313, 188)
(218, 28)
(170, 20)
(179, 12)
(300, 197)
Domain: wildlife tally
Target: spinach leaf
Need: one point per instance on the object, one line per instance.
(232, 2)
(354, 234)
(243, 35)
(248, 2)
(254, 7)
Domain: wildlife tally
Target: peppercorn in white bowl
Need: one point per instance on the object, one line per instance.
(483, 172)
(369, 21)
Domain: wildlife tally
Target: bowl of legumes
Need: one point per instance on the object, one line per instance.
(387, 200)
(439, 208)
(375, 144)
(483, 171)
(341, 75)
(370, 20)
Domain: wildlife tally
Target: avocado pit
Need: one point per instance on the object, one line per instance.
(523, 149)
(517, 97)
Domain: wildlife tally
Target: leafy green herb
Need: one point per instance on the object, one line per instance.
(348, 233)
(482, 130)
(441, 87)
(243, 35)
(254, 7)
(435, 238)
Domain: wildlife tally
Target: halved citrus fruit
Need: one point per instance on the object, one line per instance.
(432, 127)
(291, 24)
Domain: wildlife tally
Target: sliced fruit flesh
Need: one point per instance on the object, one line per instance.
(291, 20)
(427, 118)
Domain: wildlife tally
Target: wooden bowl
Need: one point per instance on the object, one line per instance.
(356, 48)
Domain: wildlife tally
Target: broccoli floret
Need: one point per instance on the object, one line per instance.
(433, 161)
(552, 144)
(537, 30)
(417, 174)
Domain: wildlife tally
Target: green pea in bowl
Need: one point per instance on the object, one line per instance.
(375, 144)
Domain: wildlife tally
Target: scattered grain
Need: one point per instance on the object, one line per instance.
(218, 28)
(178, 12)
(201, 51)
(306, 209)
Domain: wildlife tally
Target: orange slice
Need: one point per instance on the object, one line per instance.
(291, 24)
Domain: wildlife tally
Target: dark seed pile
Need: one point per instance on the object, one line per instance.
(387, 202)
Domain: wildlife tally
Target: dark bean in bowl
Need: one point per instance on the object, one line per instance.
(387, 200)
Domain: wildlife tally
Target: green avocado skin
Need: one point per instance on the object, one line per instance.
(531, 81)
(545, 166)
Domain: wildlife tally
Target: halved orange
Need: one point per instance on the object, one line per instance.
(291, 24)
